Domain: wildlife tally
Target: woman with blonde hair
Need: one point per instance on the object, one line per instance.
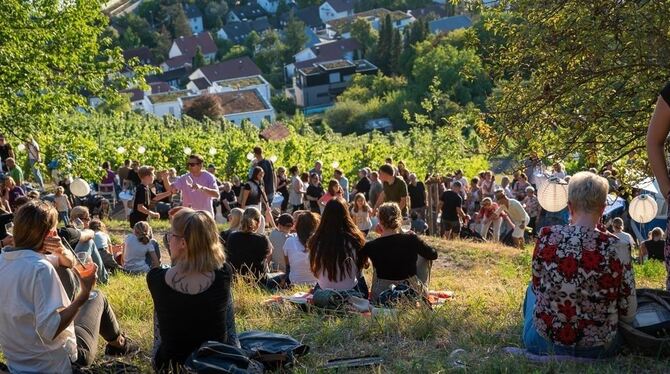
(234, 219)
(653, 247)
(394, 254)
(193, 302)
(248, 251)
(12, 192)
(137, 247)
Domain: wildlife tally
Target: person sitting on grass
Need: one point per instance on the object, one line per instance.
(43, 328)
(394, 254)
(334, 248)
(295, 250)
(654, 247)
(234, 220)
(278, 237)
(139, 252)
(193, 301)
(582, 281)
(80, 238)
(419, 226)
(247, 251)
(104, 245)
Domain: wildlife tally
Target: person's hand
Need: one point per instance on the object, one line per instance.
(155, 215)
(53, 244)
(87, 282)
(196, 186)
(8, 241)
(522, 226)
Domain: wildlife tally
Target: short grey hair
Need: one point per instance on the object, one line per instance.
(587, 192)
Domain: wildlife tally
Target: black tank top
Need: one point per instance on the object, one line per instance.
(655, 249)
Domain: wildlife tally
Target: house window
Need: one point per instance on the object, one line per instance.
(334, 78)
(322, 95)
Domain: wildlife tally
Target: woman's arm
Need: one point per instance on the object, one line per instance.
(659, 127)
(161, 196)
(243, 199)
(643, 252)
(154, 259)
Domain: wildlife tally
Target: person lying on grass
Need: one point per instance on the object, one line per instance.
(582, 280)
(45, 328)
(193, 301)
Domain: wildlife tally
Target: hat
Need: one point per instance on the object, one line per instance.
(530, 188)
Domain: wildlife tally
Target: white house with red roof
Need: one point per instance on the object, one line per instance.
(345, 49)
(234, 68)
(188, 45)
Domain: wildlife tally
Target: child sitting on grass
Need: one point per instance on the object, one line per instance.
(104, 245)
(278, 237)
(139, 252)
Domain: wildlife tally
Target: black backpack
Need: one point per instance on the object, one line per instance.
(649, 332)
(274, 351)
(218, 358)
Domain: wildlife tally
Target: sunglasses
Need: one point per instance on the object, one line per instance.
(194, 163)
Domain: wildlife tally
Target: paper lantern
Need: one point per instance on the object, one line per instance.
(643, 209)
(120, 150)
(21, 147)
(141, 150)
(273, 158)
(212, 151)
(250, 156)
(336, 164)
(187, 151)
(80, 188)
(553, 195)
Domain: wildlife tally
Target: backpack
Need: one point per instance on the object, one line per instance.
(649, 332)
(219, 358)
(333, 300)
(397, 294)
(274, 351)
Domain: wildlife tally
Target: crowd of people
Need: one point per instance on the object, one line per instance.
(287, 227)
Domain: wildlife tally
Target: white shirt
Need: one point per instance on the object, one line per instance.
(294, 197)
(134, 255)
(515, 211)
(33, 150)
(298, 260)
(28, 322)
(626, 240)
(344, 183)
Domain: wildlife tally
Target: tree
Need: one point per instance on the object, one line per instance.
(581, 79)
(51, 56)
(198, 59)
(205, 106)
(129, 39)
(284, 104)
(214, 13)
(362, 31)
(179, 25)
(252, 41)
(396, 51)
(236, 51)
(385, 45)
(163, 45)
(295, 38)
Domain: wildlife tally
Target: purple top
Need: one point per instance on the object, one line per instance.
(195, 199)
(109, 179)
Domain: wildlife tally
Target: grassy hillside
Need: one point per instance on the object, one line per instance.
(484, 316)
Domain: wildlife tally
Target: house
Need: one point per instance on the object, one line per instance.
(163, 104)
(174, 78)
(309, 16)
(177, 63)
(240, 106)
(319, 84)
(347, 49)
(198, 86)
(429, 12)
(247, 12)
(334, 9)
(312, 38)
(448, 24)
(188, 45)
(136, 97)
(194, 16)
(342, 26)
(255, 82)
(143, 54)
(237, 32)
(235, 68)
(270, 6)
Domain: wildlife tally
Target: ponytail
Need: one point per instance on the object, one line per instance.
(143, 232)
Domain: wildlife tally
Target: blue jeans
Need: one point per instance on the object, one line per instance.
(37, 174)
(90, 248)
(538, 345)
(65, 217)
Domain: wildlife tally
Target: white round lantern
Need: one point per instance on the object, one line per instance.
(141, 150)
(643, 209)
(335, 164)
(553, 195)
(120, 150)
(273, 158)
(80, 188)
(250, 156)
(212, 151)
(187, 151)
(21, 147)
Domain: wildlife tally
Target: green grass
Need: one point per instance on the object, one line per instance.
(485, 316)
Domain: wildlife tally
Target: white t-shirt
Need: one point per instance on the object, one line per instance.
(29, 322)
(294, 197)
(516, 212)
(362, 219)
(134, 255)
(298, 260)
(626, 240)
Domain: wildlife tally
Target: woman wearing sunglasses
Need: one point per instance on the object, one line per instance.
(43, 329)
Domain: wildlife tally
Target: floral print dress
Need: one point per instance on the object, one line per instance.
(583, 282)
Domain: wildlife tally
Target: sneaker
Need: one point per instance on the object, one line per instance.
(129, 348)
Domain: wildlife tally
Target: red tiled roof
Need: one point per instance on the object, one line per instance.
(135, 94)
(142, 54)
(275, 132)
(189, 44)
(235, 68)
(234, 102)
(159, 87)
(179, 61)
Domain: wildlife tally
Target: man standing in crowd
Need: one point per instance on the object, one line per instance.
(344, 183)
(198, 187)
(516, 214)
(394, 189)
(417, 196)
(269, 177)
(14, 171)
(376, 188)
(534, 167)
(451, 206)
(458, 176)
(363, 185)
(123, 173)
(34, 157)
(6, 152)
(318, 169)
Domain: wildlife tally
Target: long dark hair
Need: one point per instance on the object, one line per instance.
(254, 173)
(336, 239)
(334, 187)
(304, 228)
